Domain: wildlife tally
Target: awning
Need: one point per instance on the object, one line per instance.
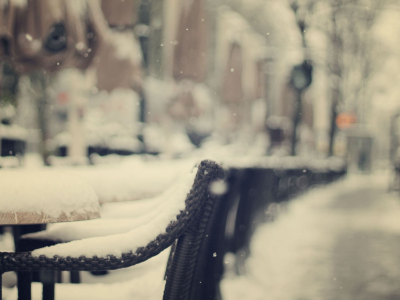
(55, 34)
(190, 55)
(116, 68)
(48, 34)
(119, 60)
(120, 13)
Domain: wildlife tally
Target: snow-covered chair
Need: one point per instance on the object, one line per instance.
(116, 217)
(186, 222)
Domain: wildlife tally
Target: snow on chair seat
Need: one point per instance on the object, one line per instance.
(183, 216)
(132, 179)
(116, 217)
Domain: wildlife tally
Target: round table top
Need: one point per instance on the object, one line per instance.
(26, 218)
(45, 196)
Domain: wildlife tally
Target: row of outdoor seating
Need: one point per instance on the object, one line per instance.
(257, 189)
(216, 218)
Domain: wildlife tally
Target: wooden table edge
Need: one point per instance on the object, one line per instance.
(29, 218)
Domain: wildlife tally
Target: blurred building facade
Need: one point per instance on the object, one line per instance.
(194, 68)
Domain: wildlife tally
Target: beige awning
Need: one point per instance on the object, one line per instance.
(190, 55)
(119, 60)
(55, 34)
(7, 24)
(48, 34)
(116, 71)
(120, 13)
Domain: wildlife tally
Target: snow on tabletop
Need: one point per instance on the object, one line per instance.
(41, 191)
(120, 243)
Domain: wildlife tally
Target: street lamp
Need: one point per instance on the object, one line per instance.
(301, 77)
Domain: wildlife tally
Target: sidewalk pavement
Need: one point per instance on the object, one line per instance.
(337, 242)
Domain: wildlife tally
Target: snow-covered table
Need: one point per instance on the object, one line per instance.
(39, 197)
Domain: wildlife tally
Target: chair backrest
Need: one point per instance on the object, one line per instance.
(195, 265)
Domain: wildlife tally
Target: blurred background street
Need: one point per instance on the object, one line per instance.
(297, 77)
(299, 101)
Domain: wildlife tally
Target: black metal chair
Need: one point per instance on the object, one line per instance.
(210, 266)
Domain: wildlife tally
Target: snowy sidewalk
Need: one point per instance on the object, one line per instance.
(339, 242)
